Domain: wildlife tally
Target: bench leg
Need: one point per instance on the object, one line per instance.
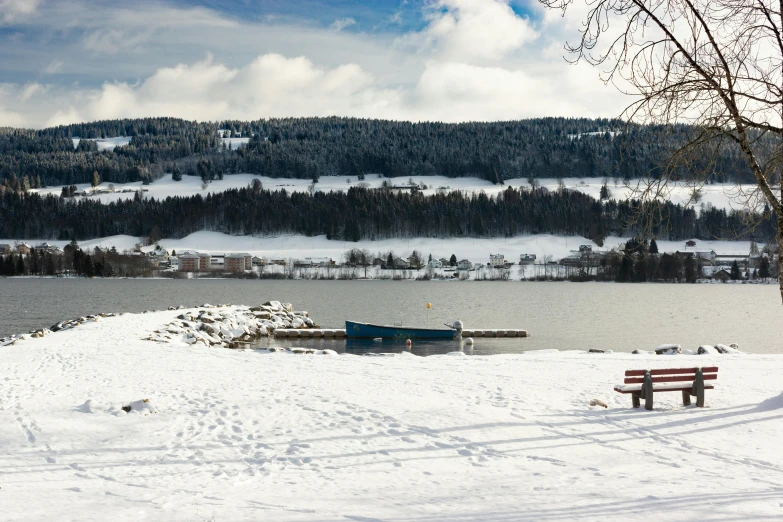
(648, 400)
(698, 384)
(686, 397)
(636, 401)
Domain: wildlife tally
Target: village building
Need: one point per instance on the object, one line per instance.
(497, 261)
(527, 259)
(5, 249)
(23, 248)
(434, 263)
(464, 264)
(188, 262)
(721, 275)
(204, 261)
(401, 263)
(234, 263)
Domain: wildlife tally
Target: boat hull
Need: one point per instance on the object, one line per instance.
(371, 331)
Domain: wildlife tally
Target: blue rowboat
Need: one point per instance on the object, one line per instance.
(365, 330)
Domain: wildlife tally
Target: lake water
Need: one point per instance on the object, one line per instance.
(563, 316)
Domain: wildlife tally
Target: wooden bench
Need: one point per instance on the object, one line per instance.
(641, 384)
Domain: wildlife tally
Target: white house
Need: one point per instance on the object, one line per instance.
(434, 263)
(497, 261)
(401, 263)
(464, 264)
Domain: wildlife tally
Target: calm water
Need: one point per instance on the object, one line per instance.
(557, 315)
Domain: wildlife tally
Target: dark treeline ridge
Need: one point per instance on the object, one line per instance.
(313, 147)
(358, 214)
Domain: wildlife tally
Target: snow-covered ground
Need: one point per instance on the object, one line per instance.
(251, 435)
(476, 250)
(105, 143)
(718, 195)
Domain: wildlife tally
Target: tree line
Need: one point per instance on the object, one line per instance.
(363, 214)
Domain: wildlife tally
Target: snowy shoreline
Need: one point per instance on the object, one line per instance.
(251, 434)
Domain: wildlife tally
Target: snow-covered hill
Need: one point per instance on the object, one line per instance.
(249, 435)
(718, 195)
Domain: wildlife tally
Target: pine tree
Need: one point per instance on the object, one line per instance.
(453, 260)
(653, 246)
(764, 268)
(96, 179)
(735, 271)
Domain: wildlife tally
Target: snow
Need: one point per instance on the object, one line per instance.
(254, 435)
(105, 143)
(717, 195)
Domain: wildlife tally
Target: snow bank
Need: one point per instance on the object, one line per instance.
(255, 435)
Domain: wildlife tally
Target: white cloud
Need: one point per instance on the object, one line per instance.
(342, 23)
(54, 67)
(471, 30)
(13, 10)
(271, 85)
(31, 89)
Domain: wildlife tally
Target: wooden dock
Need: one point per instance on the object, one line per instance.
(339, 333)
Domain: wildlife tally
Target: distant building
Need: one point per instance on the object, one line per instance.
(464, 264)
(258, 261)
(497, 261)
(434, 263)
(204, 261)
(706, 258)
(23, 248)
(5, 249)
(235, 263)
(401, 263)
(188, 262)
(721, 275)
(527, 259)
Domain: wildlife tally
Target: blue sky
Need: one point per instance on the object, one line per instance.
(449, 60)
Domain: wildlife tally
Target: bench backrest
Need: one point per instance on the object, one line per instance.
(670, 374)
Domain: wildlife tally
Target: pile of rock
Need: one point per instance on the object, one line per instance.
(73, 323)
(705, 349)
(231, 326)
(59, 327)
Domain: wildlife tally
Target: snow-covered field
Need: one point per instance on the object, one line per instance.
(250, 435)
(718, 195)
(476, 250)
(105, 143)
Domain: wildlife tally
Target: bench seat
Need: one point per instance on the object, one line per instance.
(662, 387)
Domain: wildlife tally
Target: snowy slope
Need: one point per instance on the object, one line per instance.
(106, 143)
(242, 435)
(719, 195)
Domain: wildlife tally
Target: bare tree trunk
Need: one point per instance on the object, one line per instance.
(780, 244)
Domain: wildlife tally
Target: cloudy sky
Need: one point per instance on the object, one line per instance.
(65, 61)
